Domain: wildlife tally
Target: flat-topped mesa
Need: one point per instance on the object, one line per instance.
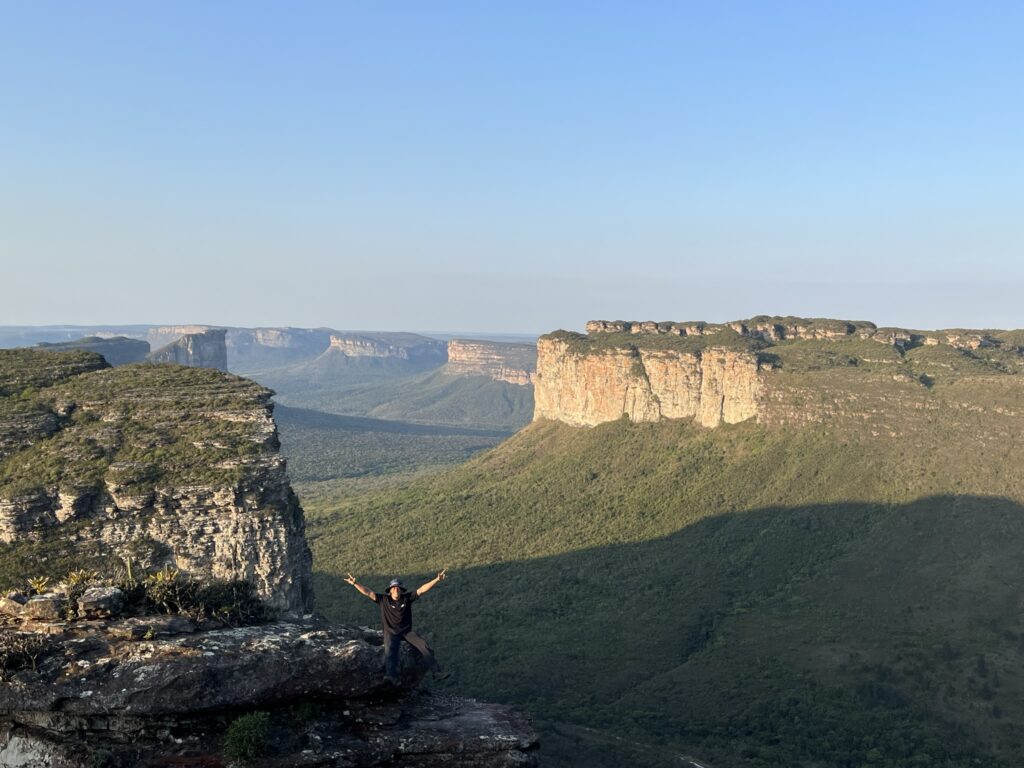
(710, 385)
(397, 345)
(156, 464)
(760, 327)
(160, 336)
(207, 349)
(116, 350)
(500, 361)
(775, 369)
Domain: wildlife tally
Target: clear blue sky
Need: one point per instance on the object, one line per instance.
(515, 166)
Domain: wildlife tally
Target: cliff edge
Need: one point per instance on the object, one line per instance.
(773, 369)
(161, 464)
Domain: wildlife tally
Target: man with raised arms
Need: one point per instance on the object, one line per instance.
(396, 618)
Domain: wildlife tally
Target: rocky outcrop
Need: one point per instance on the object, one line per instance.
(252, 349)
(711, 385)
(779, 370)
(198, 350)
(163, 465)
(402, 346)
(760, 327)
(160, 691)
(159, 336)
(511, 363)
(116, 350)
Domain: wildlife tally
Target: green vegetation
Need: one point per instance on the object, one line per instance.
(752, 596)
(24, 370)
(434, 397)
(324, 446)
(597, 342)
(246, 737)
(136, 425)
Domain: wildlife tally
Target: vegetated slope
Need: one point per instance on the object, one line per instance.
(842, 593)
(325, 446)
(427, 398)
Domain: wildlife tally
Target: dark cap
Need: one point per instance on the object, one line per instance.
(396, 583)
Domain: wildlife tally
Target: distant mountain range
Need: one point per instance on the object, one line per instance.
(474, 383)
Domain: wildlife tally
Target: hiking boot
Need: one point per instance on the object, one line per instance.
(441, 674)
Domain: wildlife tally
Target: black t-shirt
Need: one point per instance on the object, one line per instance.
(396, 615)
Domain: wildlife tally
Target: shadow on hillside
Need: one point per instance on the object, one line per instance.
(794, 633)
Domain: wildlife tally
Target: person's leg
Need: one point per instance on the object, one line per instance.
(417, 642)
(392, 645)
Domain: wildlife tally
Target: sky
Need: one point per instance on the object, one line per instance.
(511, 167)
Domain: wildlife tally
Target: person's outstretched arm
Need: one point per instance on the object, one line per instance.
(350, 579)
(433, 582)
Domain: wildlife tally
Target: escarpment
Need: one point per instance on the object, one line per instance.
(157, 464)
(200, 350)
(710, 385)
(511, 363)
(116, 350)
(403, 346)
(777, 370)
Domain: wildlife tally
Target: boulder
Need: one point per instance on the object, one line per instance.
(168, 701)
(49, 606)
(100, 603)
(11, 604)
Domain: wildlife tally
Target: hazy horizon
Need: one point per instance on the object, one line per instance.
(511, 169)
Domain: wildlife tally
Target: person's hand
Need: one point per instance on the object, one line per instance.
(441, 574)
(350, 579)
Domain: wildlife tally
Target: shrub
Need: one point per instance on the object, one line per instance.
(21, 650)
(246, 737)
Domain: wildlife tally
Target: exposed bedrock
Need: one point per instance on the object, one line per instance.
(108, 691)
(586, 388)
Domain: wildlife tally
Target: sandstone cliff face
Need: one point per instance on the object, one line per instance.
(162, 464)
(779, 370)
(198, 350)
(161, 335)
(710, 385)
(398, 345)
(252, 349)
(511, 363)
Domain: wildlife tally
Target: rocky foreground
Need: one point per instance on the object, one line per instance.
(163, 690)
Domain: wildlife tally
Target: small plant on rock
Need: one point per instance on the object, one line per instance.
(21, 650)
(77, 582)
(164, 589)
(38, 585)
(246, 738)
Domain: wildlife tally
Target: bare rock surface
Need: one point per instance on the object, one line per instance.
(99, 690)
(205, 349)
(500, 361)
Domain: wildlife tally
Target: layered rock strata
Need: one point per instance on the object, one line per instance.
(711, 385)
(402, 346)
(158, 691)
(159, 336)
(511, 363)
(779, 370)
(198, 350)
(774, 329)
(162, 465)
